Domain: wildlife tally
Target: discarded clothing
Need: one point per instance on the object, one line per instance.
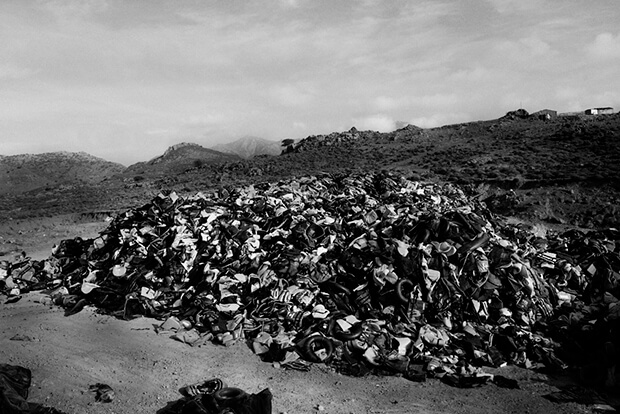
(366, 272)
(14, 384)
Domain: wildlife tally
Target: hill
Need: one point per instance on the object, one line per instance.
(248, 147)
(28, 172)
(563, 170)
(179, 158)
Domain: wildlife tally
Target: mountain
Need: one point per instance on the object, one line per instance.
(248, 147)
(179, 158)
(560, 170)
(25, 172)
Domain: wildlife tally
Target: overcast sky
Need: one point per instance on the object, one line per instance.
(125, 79)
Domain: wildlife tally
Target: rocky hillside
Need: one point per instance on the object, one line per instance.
(248, 147)
(564, 170)
(177, 159)
(26, 172)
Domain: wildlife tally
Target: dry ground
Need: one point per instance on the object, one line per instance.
(146, 369)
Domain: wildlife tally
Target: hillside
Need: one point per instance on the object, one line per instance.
(26, 172)
(563, 170)
(248, 147)
(179, 158)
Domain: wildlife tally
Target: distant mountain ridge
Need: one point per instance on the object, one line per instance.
(187, 150)
(25, 172)
(561, 169)
(180, 157)
(250, 146)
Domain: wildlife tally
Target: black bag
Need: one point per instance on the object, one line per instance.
(228, 401)
(14, 384)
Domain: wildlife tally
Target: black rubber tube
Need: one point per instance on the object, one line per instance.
(354, 346)
(474, 244)
(422, 235)
(332, 322)
(330, 284)
(318, 342)
(228, 394)
(403, 287)
(353, 333)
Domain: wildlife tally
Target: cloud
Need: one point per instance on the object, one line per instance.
(67, 10)
(512, 6)
(386, 103)
(378, 122)
(435, 101)
(475, 73)
(400, 124)
(9, 71)
(290, 3)
(203, 119)
(292, 95)
(599, 99)
(439, 119)
(160, 131)
(161, 71)
(526, 51)
(605, 46)
(535, 46)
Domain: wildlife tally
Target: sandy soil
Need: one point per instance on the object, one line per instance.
(37, 236)
(146, 369)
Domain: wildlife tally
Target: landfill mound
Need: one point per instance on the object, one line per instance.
(367, 273)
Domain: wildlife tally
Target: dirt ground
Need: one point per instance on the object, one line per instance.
(146, 369)
(37, 236)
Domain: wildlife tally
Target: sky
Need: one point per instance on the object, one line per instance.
(125, 79)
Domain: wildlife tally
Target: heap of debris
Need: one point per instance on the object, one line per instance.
(365, 273)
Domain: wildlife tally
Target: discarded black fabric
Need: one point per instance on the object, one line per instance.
(226, 400)
(415, 373)
(464, 381)
(504, 382)
(14, 384)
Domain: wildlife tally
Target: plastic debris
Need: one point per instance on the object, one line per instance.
(213, 396)
(103, 392)
(365, 273)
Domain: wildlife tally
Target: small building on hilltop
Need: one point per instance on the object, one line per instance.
(600, 111)
(545, 114)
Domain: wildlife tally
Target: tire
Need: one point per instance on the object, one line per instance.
(403, 287)
(319, 342)
(353, 333)
(228, 395)
(356, 346)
